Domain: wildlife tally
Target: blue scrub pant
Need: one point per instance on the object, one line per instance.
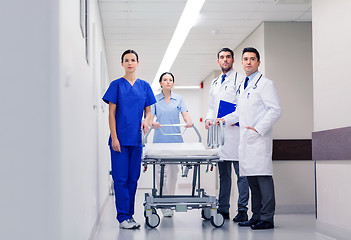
(125, 173)
(225, 181)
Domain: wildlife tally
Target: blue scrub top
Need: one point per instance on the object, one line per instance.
(168, 114)
(130, 101)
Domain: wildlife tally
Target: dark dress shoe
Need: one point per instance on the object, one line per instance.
(262, 225)
(248, 223)
(224, 214)
(240, 217)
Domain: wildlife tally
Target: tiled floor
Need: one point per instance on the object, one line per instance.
(190, 225)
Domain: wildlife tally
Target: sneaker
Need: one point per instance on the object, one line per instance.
(128, 224)
(136, 224)
(167, 213)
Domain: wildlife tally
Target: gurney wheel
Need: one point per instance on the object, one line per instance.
(206, 213)
(153, 212)
(152, 221)
(217, 221)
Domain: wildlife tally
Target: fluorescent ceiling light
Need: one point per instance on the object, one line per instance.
(157, 91)
(292, 1)
(186, 87)
(186, 22)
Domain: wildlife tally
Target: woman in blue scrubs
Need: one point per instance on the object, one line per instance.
(167, 109)
(128, 98)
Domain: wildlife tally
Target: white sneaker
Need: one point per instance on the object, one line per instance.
(128, 224)
(167, 213)
(136, 224)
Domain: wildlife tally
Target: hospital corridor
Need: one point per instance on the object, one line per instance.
(247, 98)
(190, 225)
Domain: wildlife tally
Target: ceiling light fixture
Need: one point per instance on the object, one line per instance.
(186, 22)
(292, 1)
(187, 87)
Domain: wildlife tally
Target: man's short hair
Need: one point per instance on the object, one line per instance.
(253, 50)
(225, 50)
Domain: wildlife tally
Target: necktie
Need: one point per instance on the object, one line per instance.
(246, 81)
(223, 77)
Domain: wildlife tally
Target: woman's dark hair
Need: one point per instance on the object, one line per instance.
(129, 51)
(225, 50)
(253, 50)
(165, 74)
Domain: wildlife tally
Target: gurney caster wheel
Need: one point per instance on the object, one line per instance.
(152, 221)
(206, 213)
(153, 212)
(217, 221)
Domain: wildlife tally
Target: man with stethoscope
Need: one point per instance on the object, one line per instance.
(258, 109)
(222, 96)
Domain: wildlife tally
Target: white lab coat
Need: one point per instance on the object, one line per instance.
(226, 92)
(258, 108)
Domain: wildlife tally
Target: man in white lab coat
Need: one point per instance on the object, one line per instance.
(223, 88)
(258, 109)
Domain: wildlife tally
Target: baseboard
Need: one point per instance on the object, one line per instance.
(333, 231)
(294, 209)
(98, 219)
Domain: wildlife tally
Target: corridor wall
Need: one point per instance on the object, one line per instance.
(332, 118)
(54, 155)
(85, 159)
(30, 156)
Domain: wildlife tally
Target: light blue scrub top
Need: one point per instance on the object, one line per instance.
(168, 114)
(130, 101)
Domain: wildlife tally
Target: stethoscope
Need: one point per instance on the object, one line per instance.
(254, 87)
(216, 81)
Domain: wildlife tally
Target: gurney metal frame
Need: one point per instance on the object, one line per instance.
(181, 203)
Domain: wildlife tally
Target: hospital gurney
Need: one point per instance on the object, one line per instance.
(188, 156)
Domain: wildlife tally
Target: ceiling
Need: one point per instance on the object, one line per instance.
(147, 26)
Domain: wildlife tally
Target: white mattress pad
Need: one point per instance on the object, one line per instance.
(178, 150)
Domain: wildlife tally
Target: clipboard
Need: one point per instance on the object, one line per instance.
(225, 108)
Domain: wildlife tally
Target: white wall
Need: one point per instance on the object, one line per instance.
(85, 160)
(294, 186)
(288, 47)
(288, 55)
(257, 40)
(54, 173)
(333, 193)
(29, 130)
(331, 43)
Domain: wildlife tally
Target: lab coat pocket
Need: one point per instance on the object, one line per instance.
(252, 137)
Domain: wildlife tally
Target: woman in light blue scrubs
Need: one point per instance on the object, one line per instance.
(167, 109)
(128, 98)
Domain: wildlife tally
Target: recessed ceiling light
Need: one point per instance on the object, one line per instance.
(186, 22)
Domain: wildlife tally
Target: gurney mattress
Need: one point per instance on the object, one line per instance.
(179, 150)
